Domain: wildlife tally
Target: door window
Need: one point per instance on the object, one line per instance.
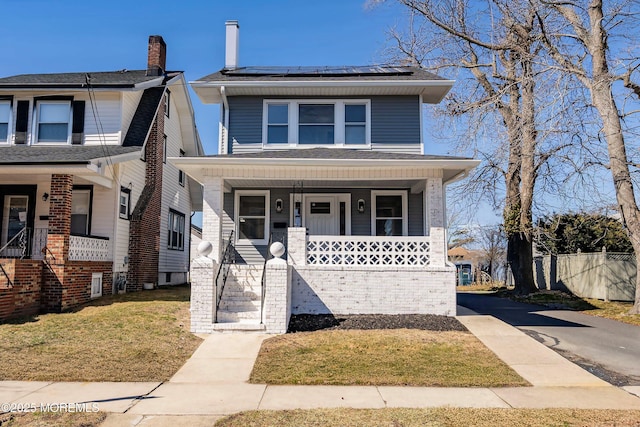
(14, 216)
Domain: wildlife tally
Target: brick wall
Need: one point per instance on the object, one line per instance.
(144, 227)
(69, 285)
(373, 290)
(23, 298)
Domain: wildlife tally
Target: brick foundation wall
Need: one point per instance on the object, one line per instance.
(23, 298)
(384, 290)
(69, 285)
(144, 227)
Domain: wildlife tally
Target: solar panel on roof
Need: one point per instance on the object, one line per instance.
(318, 70)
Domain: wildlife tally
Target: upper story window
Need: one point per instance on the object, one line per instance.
(5, 119)
(166, 100)
(53, 118)
(317, 122)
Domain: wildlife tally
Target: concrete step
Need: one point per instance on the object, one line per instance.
(245, 327)
(225, 316)
(249, 295)
(236, 306)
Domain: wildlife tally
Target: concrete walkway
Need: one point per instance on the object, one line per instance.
(213, 383)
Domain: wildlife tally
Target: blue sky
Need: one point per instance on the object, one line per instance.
(47, 36)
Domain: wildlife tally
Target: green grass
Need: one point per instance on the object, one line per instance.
(141, 336)
(381, 357)
(454, 417)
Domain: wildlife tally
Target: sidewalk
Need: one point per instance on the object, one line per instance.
(213, 383)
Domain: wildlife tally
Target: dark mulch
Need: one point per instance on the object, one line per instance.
(429, 322)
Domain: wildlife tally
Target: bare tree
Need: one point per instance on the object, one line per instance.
(579, 36)
(495, 42)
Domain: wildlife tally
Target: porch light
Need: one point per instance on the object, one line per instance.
(361, 205)
(45, 196)
(279, 205)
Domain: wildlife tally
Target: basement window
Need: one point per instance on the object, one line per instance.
(96, 285)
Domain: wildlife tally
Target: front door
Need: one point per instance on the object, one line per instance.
(321, 215)
(14, 220)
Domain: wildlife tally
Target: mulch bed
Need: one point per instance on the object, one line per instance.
(429, 322)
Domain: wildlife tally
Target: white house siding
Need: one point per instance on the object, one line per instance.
(102, 213)
(103, 127)
(174, 196)
(131, 175)
(129, 102)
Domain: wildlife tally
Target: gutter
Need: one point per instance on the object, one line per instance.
(224, 139)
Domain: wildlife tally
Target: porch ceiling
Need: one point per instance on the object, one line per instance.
(323, 183)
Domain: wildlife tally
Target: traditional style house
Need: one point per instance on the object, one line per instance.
(88, 204)
(329, 161)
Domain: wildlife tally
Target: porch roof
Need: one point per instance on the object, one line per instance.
(268, 164)
(63, 154)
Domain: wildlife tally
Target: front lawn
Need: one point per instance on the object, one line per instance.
(140, 336)
(381, 357)
(454, 417)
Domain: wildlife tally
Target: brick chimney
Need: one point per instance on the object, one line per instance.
(157, 56)
(232, 45)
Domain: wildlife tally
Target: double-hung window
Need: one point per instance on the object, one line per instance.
(53, 119)
(389, 213)
(277, 123)
(317, 122)
(176, 230)
(81, 211)
(252, 218)
(5, 119)
(125, 203)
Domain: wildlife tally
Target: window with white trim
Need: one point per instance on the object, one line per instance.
(5, 119)
(96, 285)
(252, 216)
(389, 213)
(81, 211)
(125, 203)
(166, 100)
(176, 230)
(317, 122)
(52, 122)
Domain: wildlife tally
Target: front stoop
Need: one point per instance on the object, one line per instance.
(240, 306)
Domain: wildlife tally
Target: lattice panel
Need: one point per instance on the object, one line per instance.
(363, 250)
(89, 249)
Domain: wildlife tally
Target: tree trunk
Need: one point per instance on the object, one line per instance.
(520, 257)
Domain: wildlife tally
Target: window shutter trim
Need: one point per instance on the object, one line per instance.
(77, 128)
(22, 122)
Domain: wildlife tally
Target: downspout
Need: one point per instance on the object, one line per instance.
(224, 132)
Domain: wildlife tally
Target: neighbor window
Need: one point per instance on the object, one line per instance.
(317, 122)
(389, 212)
(253, 216)
(166, 99)
(5, 115)
(81, 212)
(53, 119)
(181, 178)
(125, 203)
(176, 230)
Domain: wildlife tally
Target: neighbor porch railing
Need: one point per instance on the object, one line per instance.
(86, 248)
(369, 250)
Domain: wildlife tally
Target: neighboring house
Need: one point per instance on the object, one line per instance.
(88, 203)
(329, 161)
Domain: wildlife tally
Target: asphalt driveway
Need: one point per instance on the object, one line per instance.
(607, 348)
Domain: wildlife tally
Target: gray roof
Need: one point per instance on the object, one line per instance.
(102, 79)
(334, 153)
(341, 73)
(59, 155)
(143, 117)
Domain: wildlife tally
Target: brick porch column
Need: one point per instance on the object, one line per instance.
(212, 211)
(435, 221)
(57, 242)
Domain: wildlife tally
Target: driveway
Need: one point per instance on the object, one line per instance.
(607, 348)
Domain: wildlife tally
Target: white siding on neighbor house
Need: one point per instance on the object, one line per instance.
(130, 101)
(176, 197)
(104, 126)
(131, 175)
(102, 212)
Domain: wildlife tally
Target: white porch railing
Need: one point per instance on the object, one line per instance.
(369, 250)
(89, 249)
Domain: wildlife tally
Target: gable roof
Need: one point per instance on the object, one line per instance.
(121, 79)
(143, 117)
(322, 81)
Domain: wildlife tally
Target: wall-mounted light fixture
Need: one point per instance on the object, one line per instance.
(361, 205)
(279, 205)
(45, 196)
